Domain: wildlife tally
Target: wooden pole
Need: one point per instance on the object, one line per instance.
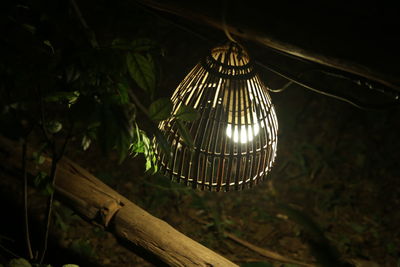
(100, 204)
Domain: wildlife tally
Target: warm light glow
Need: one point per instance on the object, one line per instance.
(245, 134)
(234, 141)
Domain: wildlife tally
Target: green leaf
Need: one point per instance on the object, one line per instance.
(148, 165)
(123, 93)
(70, 265)
(162, 142)
(48, 43)
(19, 263)
(86, 141)
(137, 147)
(141, 144)
(142, 70)
(70, 97)
(60, 222)
(38, 158)
(54, 126)
(40, 178)
(71, 74)
(160, 109)
(187, 113)
(29, 28)
(49, 189)
(187, 138)
(37, 155)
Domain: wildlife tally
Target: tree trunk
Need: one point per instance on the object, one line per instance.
(100, 204)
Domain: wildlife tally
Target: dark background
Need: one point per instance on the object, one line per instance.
(336, 164)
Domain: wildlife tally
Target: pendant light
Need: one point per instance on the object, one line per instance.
(235, 137)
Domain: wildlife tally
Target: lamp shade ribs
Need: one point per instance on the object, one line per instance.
(235, 137)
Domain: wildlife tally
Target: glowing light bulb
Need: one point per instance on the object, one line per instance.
(245, 134)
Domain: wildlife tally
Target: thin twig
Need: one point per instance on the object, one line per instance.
(53, 171)
(55, 159)
(266, 253)
(42, 118)
(52, 175)
(138, 103)
(26, 219)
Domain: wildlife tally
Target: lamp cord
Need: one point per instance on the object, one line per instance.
(354, 102)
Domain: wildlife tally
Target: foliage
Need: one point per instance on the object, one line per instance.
(141, 68)
(59, 83)
(19, 263)
(160, 109)
(63, 79)
(142, 145)
(78, 89)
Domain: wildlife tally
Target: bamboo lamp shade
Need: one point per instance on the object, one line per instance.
(235, 137)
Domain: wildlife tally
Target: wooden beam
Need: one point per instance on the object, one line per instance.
(98, 203)
(198, 14)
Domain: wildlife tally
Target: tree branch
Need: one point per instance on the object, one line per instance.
(192, 13)
(99, 204)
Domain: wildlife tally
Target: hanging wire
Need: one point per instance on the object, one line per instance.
(354, 102)
(279, 90)
(361, 82)
(292, 80)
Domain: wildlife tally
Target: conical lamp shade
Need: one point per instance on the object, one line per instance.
(235, 138)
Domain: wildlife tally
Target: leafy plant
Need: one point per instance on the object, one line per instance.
(61, 82)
